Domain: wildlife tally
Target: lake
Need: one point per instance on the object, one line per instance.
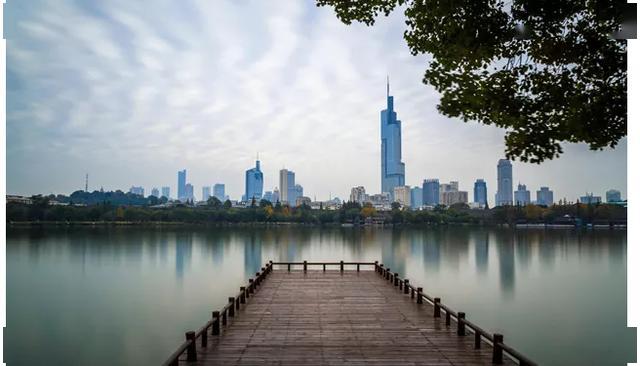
(126, 295)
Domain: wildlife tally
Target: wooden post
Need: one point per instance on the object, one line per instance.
(288, 267)
(324, 267)
(477, 340)
(358, 267)
(436, 307)
(243, 291)
(257, 280)
(461, 324)
(419, 301)
(388, 274)
(447, 318)
(341, 266)
(395, 279)
(270, 266)
(251, 285)
(413, 294)
(381, 269)
(304, 266)
(497, 348)
(224, 317)
(215, 328)
(406, 285)
(238, 303)
(203, 338)
(232, 309)
(191, 349)
(376, 266)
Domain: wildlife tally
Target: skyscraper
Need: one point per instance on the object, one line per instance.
(613, 195)
(155, 192)
(358, 194)
(298, 192)
(402, 195)
(188, 192)
(218, 191)
(522, 196)
(253, 182)
(182, 181)
(206, 193)
(480, 192)
(416, 197)
(137, 190)
(504, 195)
(165, 192)
(544, 196)
(392, 167)
(287, 187)
(431, 192)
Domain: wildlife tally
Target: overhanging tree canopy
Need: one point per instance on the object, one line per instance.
(547, 71)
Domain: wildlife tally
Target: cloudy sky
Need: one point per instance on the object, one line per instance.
(131, 92)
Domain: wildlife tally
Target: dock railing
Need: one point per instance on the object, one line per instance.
(232, 308)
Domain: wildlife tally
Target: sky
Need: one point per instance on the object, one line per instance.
(130, 92)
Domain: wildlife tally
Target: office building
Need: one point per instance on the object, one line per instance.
(480, 193)
(431, 192)
(298, 192)
(188, 192)
(166, 192)
(392, 167)
(358, 194)
(206, 193)
(590, 199)
(182, 181)
(253, 183)
(613, 196)
(218, 192)
(287, 187)
(449, 194)
(416, 198)
(504, 195)
(402, 195)
(522, 196)
(137, 190)
(544, 196)
(155, 192)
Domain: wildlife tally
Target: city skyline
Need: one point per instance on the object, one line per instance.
(221, 93)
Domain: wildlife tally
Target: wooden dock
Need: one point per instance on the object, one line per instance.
(296, 315)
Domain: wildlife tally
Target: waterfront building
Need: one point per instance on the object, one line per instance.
(253, 183)
(218, 192)
(416, 198)
(206, 193)
(392, 167)
(137, 190)
(155, 192)
(182, 181)
(166, 192)
(358, 194)
(188, 192)
(504, 195)
(613, 196)
(402, 195)
(431, 192)
(302, 200)
(522, 196)
(544, 197)
(590, 199)
(480, 193)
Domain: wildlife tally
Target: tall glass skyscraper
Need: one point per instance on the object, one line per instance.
(392, 168)
(287, 187)
(182, 182)
(431, 192)
(480, 192)
(253, 183)
(218, 191)
(504, 196)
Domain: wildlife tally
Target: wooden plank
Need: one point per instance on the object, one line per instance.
(337, 318)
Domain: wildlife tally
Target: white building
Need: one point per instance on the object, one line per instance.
(402, 195)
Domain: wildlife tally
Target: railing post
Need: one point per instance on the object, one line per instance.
(436, 307)
(288, 267)
(406, 285)
(251, 284)
(376, 266)
(257, 281)
(388, 274)
(497, 348)
(191, 350)
(419, 301)
(395, 279)
(238, 303)
(304, 264)
(461, 323)
(270, 266)
(243, 291)
(224, 317)
(324, 267)
(447, 318)
(413, 294)
(381, 269)
(263, 274)
(478, 339)
(203, 339)
(358, 267)
(341, 266)
(232, 308)
(215, 328)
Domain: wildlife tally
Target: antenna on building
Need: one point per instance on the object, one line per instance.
(387, 86)
(86, 182)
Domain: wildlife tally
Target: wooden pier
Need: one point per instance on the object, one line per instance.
(341, 313)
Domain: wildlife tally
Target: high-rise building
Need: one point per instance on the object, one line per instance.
(392, 167)
(298, 192)
(504, 195)
(402, 195)
(253, 183)
(416, 197)
(268, 196)
(182, 181)
(431, 192)
(165, 192)
(480, 192)
(590, 199)
(358, 194)
(206, 193)
(522, 196)
(218, 191)
(544, 197)
(449, 194)
(276, 195)
(137, 190)
(613, 195)
(288, 187)
(188, 192)
(155, 192)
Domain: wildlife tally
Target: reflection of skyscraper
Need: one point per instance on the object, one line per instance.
(392, 167)
(504, 195)
(252, 255)
(481, 240)
(182, 182)
(184, 242)
(392, 253)
(506, 259)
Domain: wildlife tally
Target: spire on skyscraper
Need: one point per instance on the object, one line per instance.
(387, 86)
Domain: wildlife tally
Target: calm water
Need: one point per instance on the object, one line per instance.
(110, 296)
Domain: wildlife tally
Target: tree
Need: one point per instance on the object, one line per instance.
(395, 206)
(265, 203)
(214, 202)
(227, 205)
(546, 71)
